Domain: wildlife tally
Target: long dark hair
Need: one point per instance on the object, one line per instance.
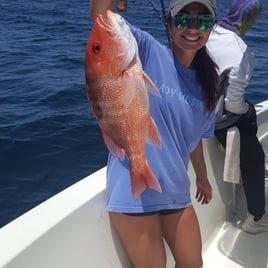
(206, 72)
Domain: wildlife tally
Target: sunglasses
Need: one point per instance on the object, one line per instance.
(203, 22)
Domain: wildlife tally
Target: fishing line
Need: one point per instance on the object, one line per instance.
(121, 6)
(163, 16)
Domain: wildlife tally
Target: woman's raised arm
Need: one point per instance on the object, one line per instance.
(99, 7)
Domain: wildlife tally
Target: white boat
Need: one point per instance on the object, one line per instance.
(72, 229)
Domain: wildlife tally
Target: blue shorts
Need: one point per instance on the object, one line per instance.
(160, 212)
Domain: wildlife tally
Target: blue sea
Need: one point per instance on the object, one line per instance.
(48, 137)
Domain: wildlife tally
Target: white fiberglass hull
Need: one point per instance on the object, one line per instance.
(72, 229)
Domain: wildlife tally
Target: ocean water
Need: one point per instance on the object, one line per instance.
(48, 136)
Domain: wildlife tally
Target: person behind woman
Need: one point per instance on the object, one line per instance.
(236, 61)
(187, 80)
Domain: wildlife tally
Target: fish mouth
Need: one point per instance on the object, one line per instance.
(103, 23)
(111, 21)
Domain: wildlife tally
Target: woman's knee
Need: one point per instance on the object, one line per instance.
(193, 264)
(155, 263)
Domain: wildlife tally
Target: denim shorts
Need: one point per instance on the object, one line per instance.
(160, 212)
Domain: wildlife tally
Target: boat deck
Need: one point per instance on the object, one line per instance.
(233, 248)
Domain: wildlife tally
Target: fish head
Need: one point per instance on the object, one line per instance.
(111, 48)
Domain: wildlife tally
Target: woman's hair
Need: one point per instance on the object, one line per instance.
(206, 72)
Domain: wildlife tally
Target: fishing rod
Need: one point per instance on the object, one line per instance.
(121, 6)
(163, 17)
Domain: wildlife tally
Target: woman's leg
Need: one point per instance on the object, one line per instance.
(182, 233)
(142, 238)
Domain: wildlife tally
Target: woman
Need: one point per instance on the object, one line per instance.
(186, 78)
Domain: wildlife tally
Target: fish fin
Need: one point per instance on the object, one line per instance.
(154, 136)
(127, 83)
(150, 85)
(113, 148)
(141, 181)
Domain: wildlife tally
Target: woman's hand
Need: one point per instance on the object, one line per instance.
(251, 112)
(99, 7)
(203, 191)
(203, 188)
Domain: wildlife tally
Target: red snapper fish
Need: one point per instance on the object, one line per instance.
(117, 93)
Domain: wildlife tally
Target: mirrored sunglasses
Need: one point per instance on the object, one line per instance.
(203, 22)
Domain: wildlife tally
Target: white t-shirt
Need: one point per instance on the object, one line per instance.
(236, 61)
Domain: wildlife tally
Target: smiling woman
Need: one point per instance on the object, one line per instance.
(182, 118)
(190, 28)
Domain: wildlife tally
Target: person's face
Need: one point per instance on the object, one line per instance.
(191, 39)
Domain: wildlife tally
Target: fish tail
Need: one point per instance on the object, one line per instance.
(141, 181)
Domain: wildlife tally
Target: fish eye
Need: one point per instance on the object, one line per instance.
(96, 48)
